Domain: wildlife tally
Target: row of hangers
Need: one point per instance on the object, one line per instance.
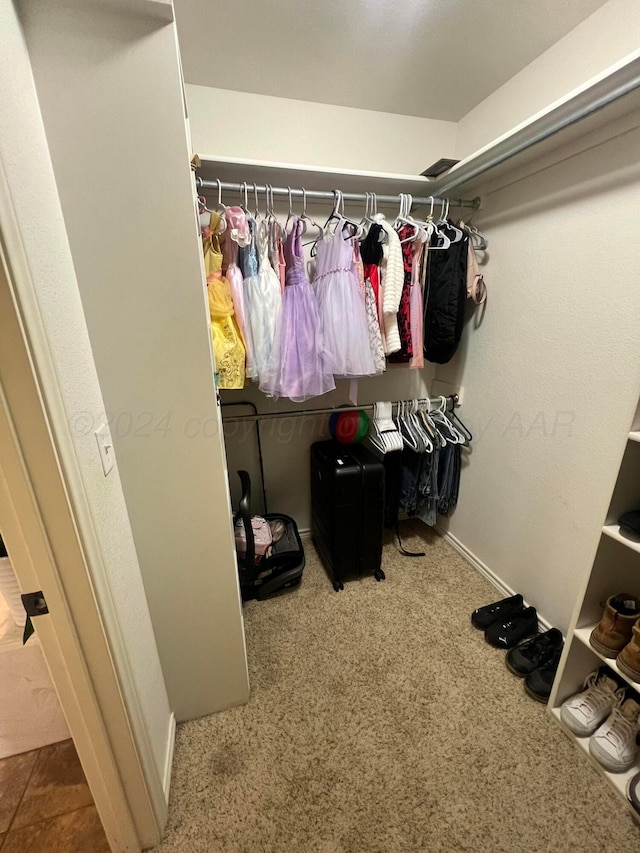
(416, 426)
(424, 229)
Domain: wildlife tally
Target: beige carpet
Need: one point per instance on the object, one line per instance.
(380, 720)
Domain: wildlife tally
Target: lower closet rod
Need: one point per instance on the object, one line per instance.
(452, 402)
(329, 194)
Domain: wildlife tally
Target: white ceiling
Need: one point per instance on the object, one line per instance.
(432, 58)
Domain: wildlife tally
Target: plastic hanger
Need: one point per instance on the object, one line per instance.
(458, 233)
(404, 217)
(408, 437)
(444, 427)
(419, 427)
(307, 220)
(290, 214)
(256, 210)
(478, 241)
(466, 433)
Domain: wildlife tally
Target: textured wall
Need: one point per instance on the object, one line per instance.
(551, 371)
(261, 127)
(27, 167)
(137, 260)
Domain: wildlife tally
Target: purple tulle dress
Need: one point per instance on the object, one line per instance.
(296, 368)
(344, 327)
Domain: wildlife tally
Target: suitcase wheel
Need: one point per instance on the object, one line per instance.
(338, 585)
(379, 575)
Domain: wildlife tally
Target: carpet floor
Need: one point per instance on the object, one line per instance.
(380, 721)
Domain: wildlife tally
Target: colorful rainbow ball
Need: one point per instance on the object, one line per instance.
(349, 427)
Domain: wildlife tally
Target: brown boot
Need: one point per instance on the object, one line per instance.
(629, 658)
(613, 631)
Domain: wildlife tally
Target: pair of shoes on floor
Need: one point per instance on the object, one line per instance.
(608, 714)
(617, 635)
(506, 622)
(536, 660)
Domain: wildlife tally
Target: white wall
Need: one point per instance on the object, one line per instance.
(551, 371)
(25, 161)
(601, 40)
(261, 127)
(110, 93)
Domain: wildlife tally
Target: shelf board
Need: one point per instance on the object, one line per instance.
(634, 435)
(613, 530)
(235, 169)
(617, 780)
(583, 635)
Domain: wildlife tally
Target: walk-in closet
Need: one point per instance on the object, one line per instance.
(332, 320)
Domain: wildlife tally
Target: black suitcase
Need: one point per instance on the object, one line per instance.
(347, 510)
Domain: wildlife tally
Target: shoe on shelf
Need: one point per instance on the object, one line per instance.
(485, 616)
(539, 682)
(585, 711)
(629, 658)
(613, 631)
(531, 654)
(508, 632)
(633, 791)
(614, 744)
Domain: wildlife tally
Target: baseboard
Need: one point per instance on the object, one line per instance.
(168, 764)
(305, 534)
(484, 570)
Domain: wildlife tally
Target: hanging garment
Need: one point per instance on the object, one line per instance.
(445, 300)
(372, 253)
(276, 253)
(405, 353)
(375, 337)
(476, 287)
(358, 265)
(237, 225)
(417, 308)
(392, 269)
(296, 366)
(264, 298)
(227, 341)
(343, 318)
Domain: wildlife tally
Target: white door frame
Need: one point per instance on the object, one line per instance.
(48, 548)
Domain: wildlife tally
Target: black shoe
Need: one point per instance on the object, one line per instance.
(508, 632)
(532, 653)
(485, 616)
(538, 683)
(633, 791)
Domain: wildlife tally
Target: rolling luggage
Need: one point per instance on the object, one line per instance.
(347, 510)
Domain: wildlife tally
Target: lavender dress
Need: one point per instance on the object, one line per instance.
(296, 367)
(343, 317)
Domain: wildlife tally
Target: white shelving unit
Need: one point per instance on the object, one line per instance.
(615, 569)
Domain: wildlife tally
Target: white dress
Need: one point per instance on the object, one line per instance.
(264, 297)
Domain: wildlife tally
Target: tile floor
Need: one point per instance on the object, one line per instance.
(46, 805)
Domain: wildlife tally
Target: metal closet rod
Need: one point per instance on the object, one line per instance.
(452, 402)
(473, 204)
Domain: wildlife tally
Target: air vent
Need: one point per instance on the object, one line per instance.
(439, 168)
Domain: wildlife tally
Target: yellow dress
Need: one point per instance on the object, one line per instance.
(228, 347)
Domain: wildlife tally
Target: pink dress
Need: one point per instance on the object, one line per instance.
(417, 359)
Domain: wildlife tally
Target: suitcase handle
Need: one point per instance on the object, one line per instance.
(244, 514)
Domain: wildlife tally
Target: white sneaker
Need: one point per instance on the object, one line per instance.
(614, 744)
(585, 711)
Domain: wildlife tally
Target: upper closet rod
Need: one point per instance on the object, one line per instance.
(329, 194)
(452, 402)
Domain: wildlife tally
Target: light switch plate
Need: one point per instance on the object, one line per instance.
(105, 447)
